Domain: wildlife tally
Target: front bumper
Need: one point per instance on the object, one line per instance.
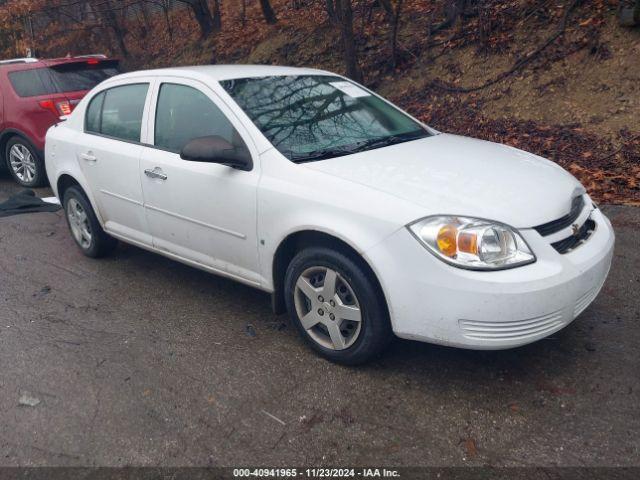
(432, 301)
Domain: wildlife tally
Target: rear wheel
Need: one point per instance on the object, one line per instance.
(85, 228)
(336, 305)
(24, 163)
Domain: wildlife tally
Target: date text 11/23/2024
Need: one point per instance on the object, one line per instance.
(316, 473)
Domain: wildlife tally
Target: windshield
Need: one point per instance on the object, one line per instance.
(314, 117)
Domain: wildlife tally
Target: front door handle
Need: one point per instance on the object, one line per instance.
(155, 173)
(89, 157)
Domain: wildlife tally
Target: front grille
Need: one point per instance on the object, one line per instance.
(577, 204)
(581, 236)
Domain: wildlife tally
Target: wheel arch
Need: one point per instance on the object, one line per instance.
(66, 180)
(8, 134)
(295, 242)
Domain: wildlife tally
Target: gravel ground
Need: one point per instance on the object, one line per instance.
(139, 360)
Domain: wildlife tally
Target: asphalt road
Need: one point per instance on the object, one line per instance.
(139, 360)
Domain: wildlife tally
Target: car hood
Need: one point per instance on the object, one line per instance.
(450, 174)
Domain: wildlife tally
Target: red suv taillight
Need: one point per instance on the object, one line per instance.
(62, 107)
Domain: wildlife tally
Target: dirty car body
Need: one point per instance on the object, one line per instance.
(359, 219)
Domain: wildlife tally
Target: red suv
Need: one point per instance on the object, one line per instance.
(34, 94)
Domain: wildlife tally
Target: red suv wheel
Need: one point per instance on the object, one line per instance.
(24, 163)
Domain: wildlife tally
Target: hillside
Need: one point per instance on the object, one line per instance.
(558, 78)
(576, 101)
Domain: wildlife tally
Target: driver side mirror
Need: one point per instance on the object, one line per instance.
(215, 149)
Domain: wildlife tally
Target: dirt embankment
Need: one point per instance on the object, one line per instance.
(576, 101)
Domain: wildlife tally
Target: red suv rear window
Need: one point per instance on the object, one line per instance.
(66, 77)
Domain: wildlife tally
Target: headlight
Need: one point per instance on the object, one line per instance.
(473, 243)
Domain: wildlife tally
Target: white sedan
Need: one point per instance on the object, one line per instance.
(360, 221)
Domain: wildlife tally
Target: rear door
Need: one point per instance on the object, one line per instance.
(203, 212)
(109, 152)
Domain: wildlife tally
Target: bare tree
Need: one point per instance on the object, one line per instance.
(113, 19)
(395, 21)
(331, 10)
(269, 14)
(243, 12)
(350, 52)
(145, 22)
(629, 17)
(200, 9)
(165, 5)
(386, 6)
(217, 16)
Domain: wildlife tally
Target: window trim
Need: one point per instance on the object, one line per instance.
(104, 93)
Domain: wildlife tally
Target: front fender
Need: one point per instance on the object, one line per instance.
(293, 198)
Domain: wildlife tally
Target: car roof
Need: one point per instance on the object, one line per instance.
(224, 72)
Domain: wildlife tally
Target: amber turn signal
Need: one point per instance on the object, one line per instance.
(447, 240)
(468, 242)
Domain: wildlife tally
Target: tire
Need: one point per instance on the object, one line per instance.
(85, 229)
(25, 164)
(323, 319)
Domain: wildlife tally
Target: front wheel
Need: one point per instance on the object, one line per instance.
(337, 306)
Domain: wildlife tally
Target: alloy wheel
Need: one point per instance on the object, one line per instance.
(328, 308)
(22, 163)
(79, 223)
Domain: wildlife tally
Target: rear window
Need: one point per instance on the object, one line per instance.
(69, 77)
(81, 76)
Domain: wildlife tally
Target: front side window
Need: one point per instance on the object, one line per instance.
(314, 117)
(117, 112)
(184, 113)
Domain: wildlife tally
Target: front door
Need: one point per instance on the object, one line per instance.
(109, 154)
(202, 212)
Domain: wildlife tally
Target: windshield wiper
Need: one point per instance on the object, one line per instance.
(359, 146)
(390, 140)
(321, 155)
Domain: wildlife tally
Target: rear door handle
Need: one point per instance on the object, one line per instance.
(89, 157)
(155, 173)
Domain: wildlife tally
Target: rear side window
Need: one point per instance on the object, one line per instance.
(117, 112)
(32, 83)
(94, 113)
(184, 113)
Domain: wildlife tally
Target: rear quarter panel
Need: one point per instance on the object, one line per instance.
(61, 159)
